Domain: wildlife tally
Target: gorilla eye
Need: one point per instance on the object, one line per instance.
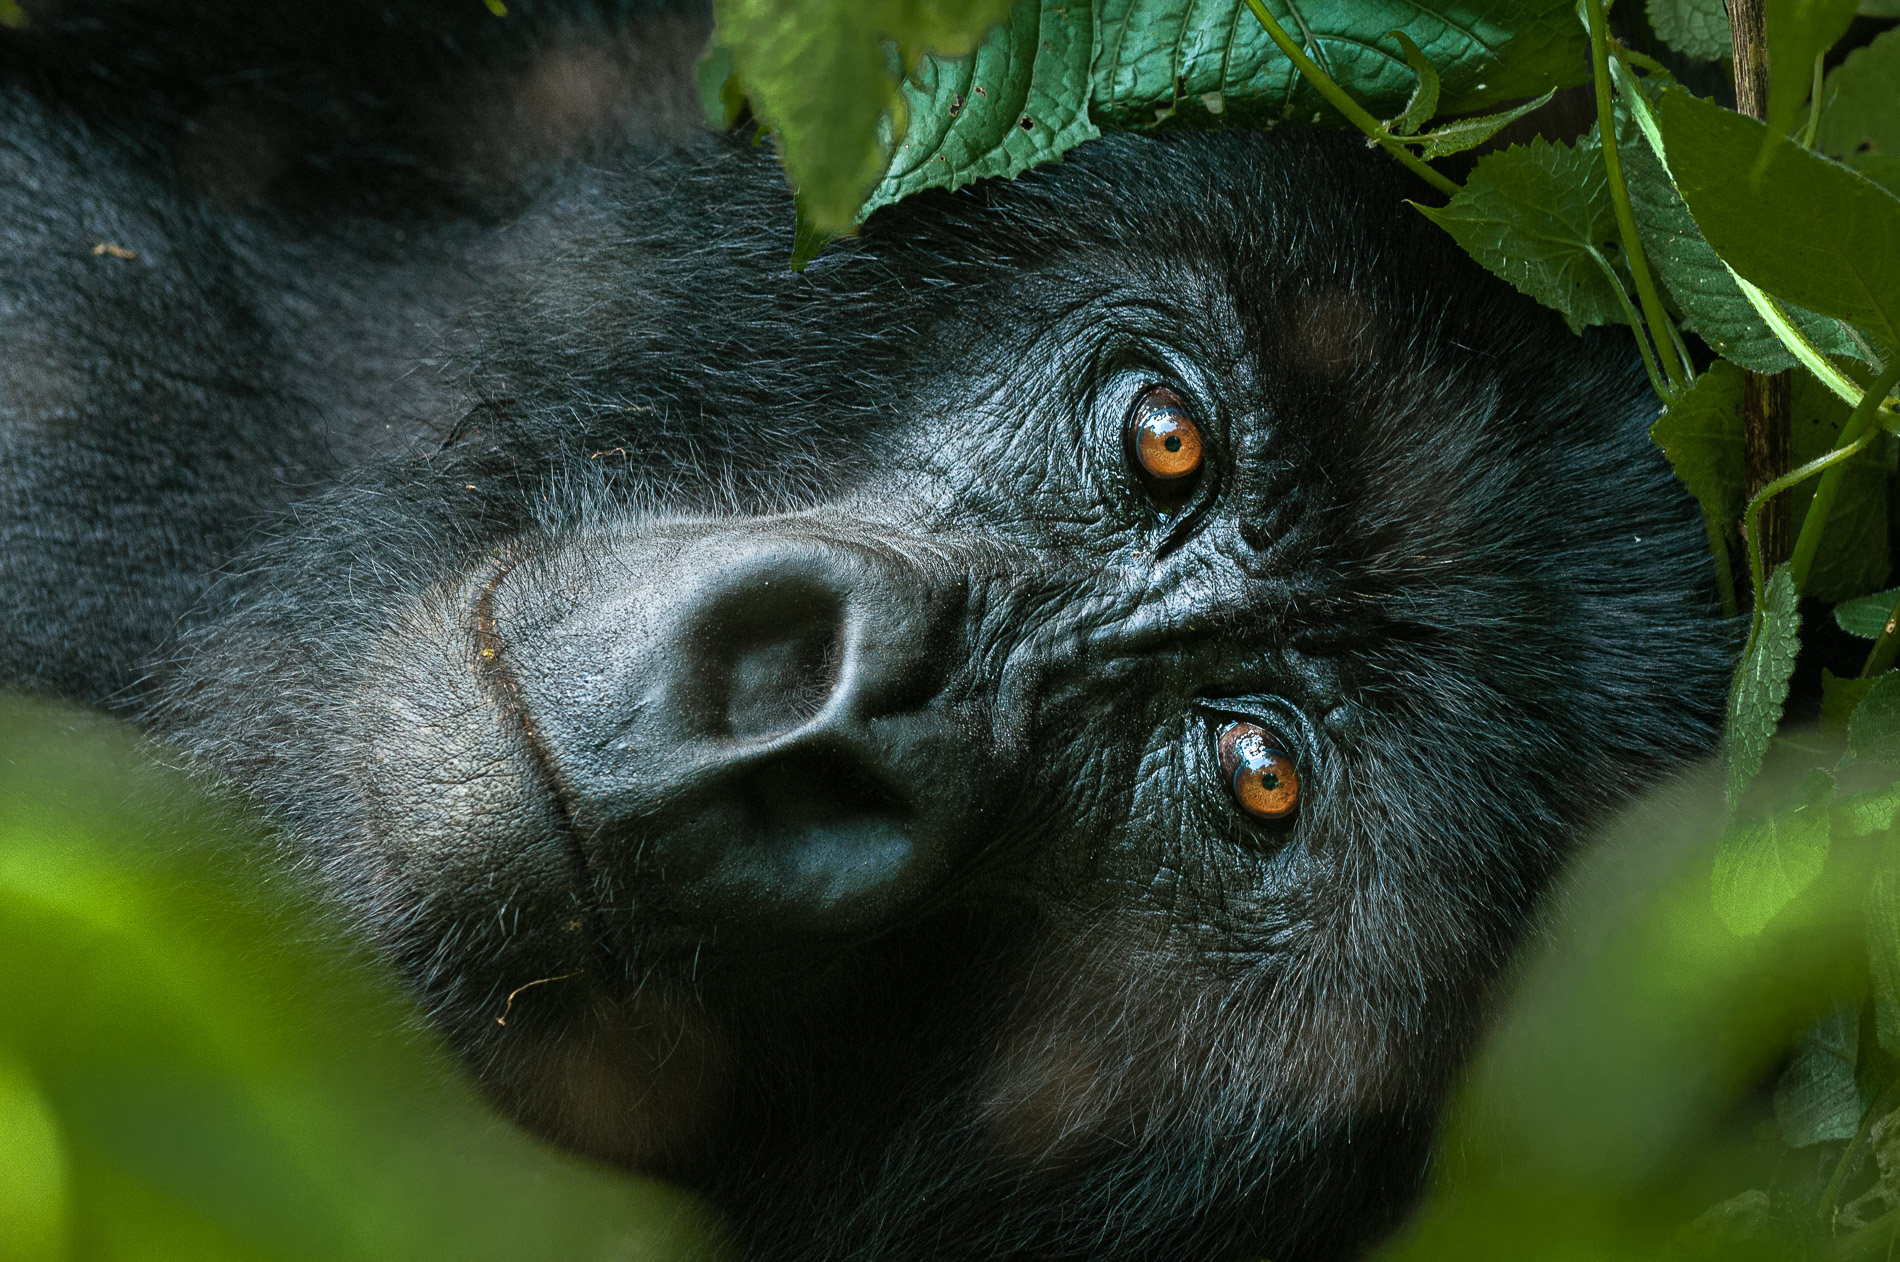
(1258, 770)
(1163, 439)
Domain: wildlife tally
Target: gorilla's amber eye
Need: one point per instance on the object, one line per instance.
(1258, 770)
(1165, 441)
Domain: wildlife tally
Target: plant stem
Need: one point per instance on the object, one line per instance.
(1724, 569)
(1859, 428)
(1653, 315)
(1843, 450)
(1767, 450)
(1814, 103)
(1767, 407)
(1323, 83)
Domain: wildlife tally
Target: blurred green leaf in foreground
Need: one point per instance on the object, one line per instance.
(1661, 1086)
(194, 1066)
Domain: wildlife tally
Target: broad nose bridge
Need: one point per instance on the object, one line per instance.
(775, 634)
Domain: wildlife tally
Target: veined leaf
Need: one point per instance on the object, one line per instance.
(1817, 1099)
(1866, 616)
(1701, 433)
(1423, 106)
(1022, 98)
(1873, 732)
(1538, 215)
(1154, 57)
(818, 73)
(1695, 28)
(1764, 863)
(1761, 685)
(1469, 133)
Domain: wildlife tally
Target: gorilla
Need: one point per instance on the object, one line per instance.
(1029, 738)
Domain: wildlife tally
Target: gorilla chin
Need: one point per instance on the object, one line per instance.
(1031, 738)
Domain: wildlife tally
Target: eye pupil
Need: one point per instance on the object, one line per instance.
(1163, 439)
(1259, 771)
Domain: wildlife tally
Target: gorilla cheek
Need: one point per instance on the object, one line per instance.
(476, 845)
(450, 797)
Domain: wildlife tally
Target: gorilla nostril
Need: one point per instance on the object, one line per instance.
(775, 658)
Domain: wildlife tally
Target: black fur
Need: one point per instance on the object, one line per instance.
(337, 481)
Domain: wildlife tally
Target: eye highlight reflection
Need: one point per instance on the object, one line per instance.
(1258, 770)
(1163, 439)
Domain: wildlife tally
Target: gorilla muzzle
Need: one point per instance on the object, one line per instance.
(757, 730)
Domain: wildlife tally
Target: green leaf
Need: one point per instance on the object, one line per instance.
(1798, 31)
(1695, 28)
(1537, 215)
(720, 96)
(1809, 230)
(1761, 685)
(1873, 733)
(1866, 616)
(1424, 103)
(1765, 862)
(196, 1063)
(818, 74)
(1020, 99)
(1860, 104)
(1839, 699)
(1701, 433)
(35, 1188)
(1469, 133)
(1860, 111)
(1883, 953)
(1711, 303)
(1853, 555)
(1157, 58)
(1869, 811)
(1816, 1098)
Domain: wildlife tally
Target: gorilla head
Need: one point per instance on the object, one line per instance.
(1027, 739)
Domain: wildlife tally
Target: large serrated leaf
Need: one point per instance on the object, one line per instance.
(1712, 304)
(1816, 1098)
(1155, 57)
(1701, 433)
(1809, 230)
(1765, 862)
(819, 74)
(1020, 99)
(1761, 685)
(1696, 28)
(1538, 215)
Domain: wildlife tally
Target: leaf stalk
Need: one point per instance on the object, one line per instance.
(1855, 435)
(1655, 318)
(1336, 96)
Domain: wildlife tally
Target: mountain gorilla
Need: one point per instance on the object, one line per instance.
(1027, 739)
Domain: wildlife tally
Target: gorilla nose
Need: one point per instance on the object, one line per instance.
(759, 737)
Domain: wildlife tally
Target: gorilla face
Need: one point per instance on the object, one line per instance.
(1029, 738)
